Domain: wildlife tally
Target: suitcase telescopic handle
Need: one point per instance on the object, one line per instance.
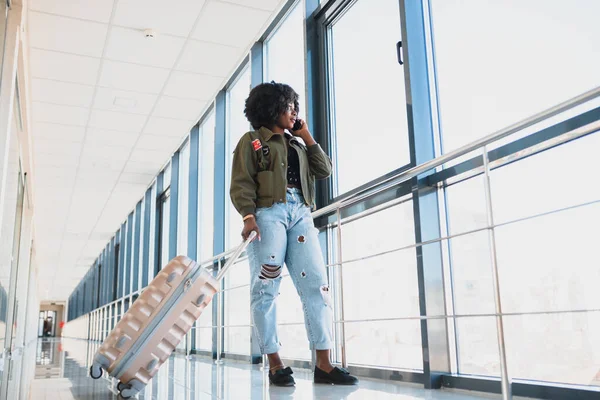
(236, 254)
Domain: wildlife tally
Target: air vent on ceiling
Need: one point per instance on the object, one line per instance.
(124, 102)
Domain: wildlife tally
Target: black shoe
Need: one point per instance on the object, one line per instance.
(282, 377)
(338, 376)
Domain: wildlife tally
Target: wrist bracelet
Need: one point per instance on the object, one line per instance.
(248, 216)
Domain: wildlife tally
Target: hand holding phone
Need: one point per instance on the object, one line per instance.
(300, 130)
(297, 125)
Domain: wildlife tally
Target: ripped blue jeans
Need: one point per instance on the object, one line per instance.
(289, 236)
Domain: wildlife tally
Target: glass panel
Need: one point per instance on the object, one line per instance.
(41, 324)
(237, 338)
(472, 274)
(184, 185)
(10, 232)
(152, 247)
(125, 249)
(167, 177)
(393, 277)
(382, 231)
(15, 258)
(3, 19)
(284, 52)
(117, 257)
(206, 187)
(237, 309)
(392, 344)
(204, 328)
(552, 347)
(180, 389)
(550, 263)
(477, 342)
(479, 91)
(466, 205)
(163, 380)
(555, 348)
(237, 126)
(133, 249)
(532, 185)
(166, 218)
(467, 265)
(547, 263)
(142, 249)
(357, 117)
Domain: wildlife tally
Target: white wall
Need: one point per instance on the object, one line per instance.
(19, 280)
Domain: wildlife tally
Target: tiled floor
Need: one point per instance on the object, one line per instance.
(62, 374)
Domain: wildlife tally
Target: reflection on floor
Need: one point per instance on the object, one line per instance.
(62, 374)
(48, 365)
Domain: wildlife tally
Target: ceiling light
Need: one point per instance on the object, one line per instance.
(124, 102)
(149, 33)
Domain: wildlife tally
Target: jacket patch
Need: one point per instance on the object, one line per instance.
(266, 150)
(256, 144)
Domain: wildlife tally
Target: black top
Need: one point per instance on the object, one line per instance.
(293, 169)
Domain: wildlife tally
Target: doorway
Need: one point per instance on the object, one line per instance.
(47, 324)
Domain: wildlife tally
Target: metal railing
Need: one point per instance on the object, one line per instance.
(405, 176)
(451, 156)
(100, 317)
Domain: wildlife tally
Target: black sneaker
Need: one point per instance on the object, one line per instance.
(282, 377)
(338, 376)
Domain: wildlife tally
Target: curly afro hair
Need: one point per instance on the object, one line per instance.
(267, 102)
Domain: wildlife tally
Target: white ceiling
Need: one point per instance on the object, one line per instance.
(110, 106)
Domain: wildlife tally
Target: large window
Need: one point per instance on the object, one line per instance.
(164, 209)
(115, 277)
(284, 52)
(368, 107)
(393, 343)
(237, 125)
(142, 249)
(490, 76)
(206, 195)
(284, 61)
(237, 320)
(134, 284)
(206, 165)
(165, 212)
(204, 328)
(546, 234)
(184, 185)
(545, 267)
(127, 259)
(237, 339)
(546, 259)
(152, 227)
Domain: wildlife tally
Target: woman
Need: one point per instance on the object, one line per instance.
(272, 187)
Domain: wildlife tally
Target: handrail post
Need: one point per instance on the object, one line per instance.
(341, 283)
(219, 318)
(506, 387)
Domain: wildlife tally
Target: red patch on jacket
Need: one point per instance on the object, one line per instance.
(256, 144)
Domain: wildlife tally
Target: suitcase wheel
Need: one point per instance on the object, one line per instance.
(127, 393)
(96, 371)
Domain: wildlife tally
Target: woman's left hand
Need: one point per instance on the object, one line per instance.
(304, 133)
(303, 129)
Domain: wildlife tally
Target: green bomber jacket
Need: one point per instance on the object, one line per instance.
(259, 170)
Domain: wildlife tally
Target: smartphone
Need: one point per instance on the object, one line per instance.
(297, 125)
